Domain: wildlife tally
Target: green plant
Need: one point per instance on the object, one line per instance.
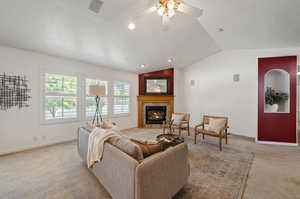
(274, 97)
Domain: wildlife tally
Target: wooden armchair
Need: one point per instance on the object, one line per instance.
(200, 129)
(184, 125)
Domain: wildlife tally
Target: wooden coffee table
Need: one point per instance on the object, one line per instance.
(169, 139)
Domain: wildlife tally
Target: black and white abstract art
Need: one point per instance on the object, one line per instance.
(14, 92)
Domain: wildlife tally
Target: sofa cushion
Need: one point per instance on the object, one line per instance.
(127, 146)
(148, 147)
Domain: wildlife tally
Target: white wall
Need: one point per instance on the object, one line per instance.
(215, 93)
(22, 129)
(178, 90)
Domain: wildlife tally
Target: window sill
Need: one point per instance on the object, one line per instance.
(87, 119)
(59, 121)
(92, 117)
(121, 115)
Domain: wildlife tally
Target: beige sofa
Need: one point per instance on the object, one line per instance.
(159, 176)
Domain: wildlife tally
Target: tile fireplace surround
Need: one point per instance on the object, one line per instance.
(145, 100)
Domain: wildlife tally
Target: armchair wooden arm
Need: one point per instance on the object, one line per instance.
(199, 125)
(224, 129)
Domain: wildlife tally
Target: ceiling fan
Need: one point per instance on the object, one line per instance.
(168, 8)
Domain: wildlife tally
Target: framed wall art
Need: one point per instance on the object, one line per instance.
(14, 92)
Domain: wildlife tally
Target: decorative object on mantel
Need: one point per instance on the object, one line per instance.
(273, 99)
(14, 92)
(97, 91)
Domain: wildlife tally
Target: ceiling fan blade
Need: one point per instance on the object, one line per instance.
(143, 10)
(165, 22)
(151, 2)
(195, 12)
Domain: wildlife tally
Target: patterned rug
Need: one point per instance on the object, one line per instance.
(214, 174)
(57, 172)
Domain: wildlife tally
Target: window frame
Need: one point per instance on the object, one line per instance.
(84, 109)
(80, 97)
(43, 96)
(113, 100)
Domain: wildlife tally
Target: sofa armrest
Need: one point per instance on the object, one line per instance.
(83, 141)
(163, 174)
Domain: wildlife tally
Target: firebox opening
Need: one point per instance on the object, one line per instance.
(155, 114)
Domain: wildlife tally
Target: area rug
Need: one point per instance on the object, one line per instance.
(57, 172)
(214, 174)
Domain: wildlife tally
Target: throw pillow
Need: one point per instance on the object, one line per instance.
(148, 147)
(107, 124)
(216, 124)
(127, 146)
(177, 118)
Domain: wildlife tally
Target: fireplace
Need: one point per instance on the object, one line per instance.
(155, 114)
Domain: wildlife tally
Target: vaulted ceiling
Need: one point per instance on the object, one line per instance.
(67, 28)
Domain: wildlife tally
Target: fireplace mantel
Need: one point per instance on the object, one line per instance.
(142, 99)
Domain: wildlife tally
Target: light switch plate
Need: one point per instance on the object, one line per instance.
(236, 77)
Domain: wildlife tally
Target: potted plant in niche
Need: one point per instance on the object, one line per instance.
(273, 99)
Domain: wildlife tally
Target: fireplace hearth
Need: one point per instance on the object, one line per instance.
(155, 114)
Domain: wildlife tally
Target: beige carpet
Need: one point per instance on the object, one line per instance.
(56, 172)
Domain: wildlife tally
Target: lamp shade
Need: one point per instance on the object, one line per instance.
(97, 90)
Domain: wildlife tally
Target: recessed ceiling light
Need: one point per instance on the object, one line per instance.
(170, 60)
(131, 26)
(143, 66)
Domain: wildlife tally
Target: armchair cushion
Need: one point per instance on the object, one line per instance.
(177, 118)
(216, 125)
(211, 133)
(202, 127)
(184, 125)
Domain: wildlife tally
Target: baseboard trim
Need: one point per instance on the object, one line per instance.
(252, 139)
(277, 143)
(38, 147)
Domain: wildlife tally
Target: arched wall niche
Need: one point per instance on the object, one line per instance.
(279, 81)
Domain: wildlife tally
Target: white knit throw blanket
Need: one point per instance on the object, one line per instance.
(97, 139)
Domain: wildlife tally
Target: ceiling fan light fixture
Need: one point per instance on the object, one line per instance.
(161, 11)
(167, 7)
(171, 13)
(171, 4)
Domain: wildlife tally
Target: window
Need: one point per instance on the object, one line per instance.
(66, 98)
(90, 107)
(60, 97)
(121, 92)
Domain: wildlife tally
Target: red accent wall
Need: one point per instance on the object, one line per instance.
(277, 127)
(169, 73)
